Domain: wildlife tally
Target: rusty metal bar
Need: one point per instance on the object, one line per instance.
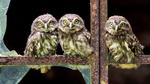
(57, 59)
(103, 54)
(144, 59)
(95, 40)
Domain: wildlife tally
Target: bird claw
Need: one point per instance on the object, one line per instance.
(117, 57)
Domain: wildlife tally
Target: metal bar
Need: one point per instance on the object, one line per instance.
(53, 60)
(144, 59)
(103, 52)
(95, 40)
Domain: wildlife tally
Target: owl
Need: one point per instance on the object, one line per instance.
(73, 36)
(43, 38)
(122, 44)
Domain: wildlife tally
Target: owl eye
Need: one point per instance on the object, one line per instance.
(51, 23)
(39, 24)
(124, 25)
(77, 21)
(65, 23)
(111, 24)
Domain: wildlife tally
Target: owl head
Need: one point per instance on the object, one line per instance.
(117, 25)
(71, 23)
(44, 23)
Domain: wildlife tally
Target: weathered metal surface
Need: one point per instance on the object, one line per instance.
(144, 59)
(95, 40)
(103, 53)
(57, 59)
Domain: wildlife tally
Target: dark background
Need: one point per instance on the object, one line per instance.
(20, 15)
(138, 14)
(57, 75)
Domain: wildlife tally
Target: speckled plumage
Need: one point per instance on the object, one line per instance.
(73, 36)
(122, 44)
(43, 38)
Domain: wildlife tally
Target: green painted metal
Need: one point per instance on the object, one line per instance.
(8, 74)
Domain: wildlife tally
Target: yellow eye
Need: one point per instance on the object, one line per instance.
(124, 25)
(65, 22)
(51, 23)
(77, 21)
(111, 24)
(39, 24)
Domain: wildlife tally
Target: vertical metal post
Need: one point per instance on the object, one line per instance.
(103, 54)
(95, 40)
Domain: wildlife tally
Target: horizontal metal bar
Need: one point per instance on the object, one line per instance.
(53, 60)
(57, 59)
(144, 59)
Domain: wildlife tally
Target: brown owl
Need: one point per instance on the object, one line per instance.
(43, 38)
(73, 36)
(121, 42)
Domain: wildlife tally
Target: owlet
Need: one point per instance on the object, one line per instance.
(43, 38)
(73, 36)
(121, 42)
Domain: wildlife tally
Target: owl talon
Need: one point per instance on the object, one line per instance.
(130, 57)
(116, 58)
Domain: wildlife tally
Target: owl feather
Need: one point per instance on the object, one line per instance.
(43, 39)
(122, 44)
(73, 36)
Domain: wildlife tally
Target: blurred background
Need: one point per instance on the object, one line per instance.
(138, 14)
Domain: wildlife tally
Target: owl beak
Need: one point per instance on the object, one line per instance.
(70, 26)
(45, 25)
(46, 28)
(116, 28)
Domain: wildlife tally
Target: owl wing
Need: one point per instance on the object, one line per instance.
(31, 43)
(87, 34)
(114, 48)
(83, 43)
(134, 44)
